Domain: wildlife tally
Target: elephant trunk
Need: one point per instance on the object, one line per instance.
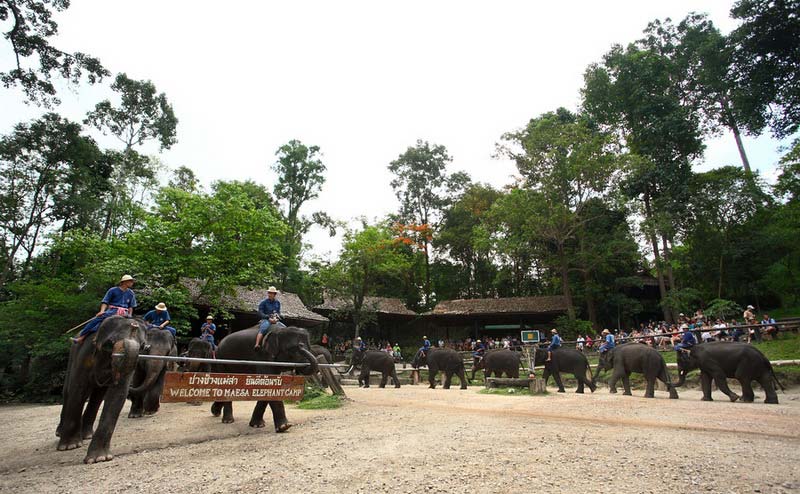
(154, 368)
(123, 360)
(348, 371)
(312, 359)
(681, 378)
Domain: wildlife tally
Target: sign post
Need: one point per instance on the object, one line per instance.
(206, 386)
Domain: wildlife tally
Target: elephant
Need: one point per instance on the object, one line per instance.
(441, 359)
(565, 360)
(374, 360)
(148, 379)
(199, 348)
(639, 358)
(499, 361)
(290, 344)
(99, 369)
(719, 360)
(319, 350)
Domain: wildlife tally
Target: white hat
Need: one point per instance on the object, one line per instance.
(161, 306)
(272, 289)
(478, 341)
(554, 330)
(750, 307)
(605, 331)
(681, 314)
(424, 337)
(127, 277)
(209, 317)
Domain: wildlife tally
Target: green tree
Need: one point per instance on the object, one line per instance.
(48, 172)
(31, 29)
(369, 256)
(142, 115)
(424, 189)
(766, 54)
(184, 178)
(301, 175)
(634, 94)
(566, 160)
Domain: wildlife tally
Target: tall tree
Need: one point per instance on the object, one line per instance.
(46, 169)
(766, 54)
(142, 115)
(300, 178)
(633, 93)
(31, 28)
(702, 61)
(423, 187)
(566, 160)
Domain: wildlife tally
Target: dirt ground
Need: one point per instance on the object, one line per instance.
(415, 439)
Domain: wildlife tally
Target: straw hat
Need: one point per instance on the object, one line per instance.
(272, 289)
(127, 277)
(554, 330)
(209, 317)
(161, 306)
(605, 331)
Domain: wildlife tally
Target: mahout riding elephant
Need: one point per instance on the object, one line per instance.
(148, 379)
(565, 360)
(441, 359)
(99, 369)
(499, 361)
(289, 344)
(719, 360)
(378, 361)
(639, 358)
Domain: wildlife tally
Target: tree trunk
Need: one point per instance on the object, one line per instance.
(731, 123)
(719, 286)
(662, 289)
(591, 308)
(565, 283)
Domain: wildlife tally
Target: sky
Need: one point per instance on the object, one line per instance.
(361, 80)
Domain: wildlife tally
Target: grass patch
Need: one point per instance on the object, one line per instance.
(324, 402)
(508, 391)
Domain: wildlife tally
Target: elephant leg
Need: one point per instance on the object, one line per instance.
(100, 447)
(462, 375)
(650, 391)
(581, 383)
(257, 419)
(432, 377)
(705, 383)
(664, 377)
(137, 407)
(90, 414)
(448, 376)
(545, 375)
(769, 388)
(216, 408)
(612, 383)
(227, 412)
(626, 383)
(394, 378)
(279, 416)
(364, 377)
(152, 397)
(384, 378)
(71, 414)
(557, 379)
(722, 383)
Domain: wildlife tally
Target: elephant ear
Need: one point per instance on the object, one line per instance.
(272, 345)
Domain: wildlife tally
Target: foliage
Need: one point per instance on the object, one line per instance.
(722, 309)
(30, 32)
(569, 329)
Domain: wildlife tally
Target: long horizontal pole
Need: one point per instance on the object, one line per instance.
(228, 361)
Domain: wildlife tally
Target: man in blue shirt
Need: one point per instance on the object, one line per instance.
(426, 345)
(159, 318)
(119, 300)
(687, 340)
(555, 343)
(608, 343)
(360, 345)
(208, 329)
(270, 311)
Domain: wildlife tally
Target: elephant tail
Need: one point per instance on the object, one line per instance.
(771, 371)
(589, 374)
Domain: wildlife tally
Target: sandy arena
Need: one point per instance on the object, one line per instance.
(419, 440)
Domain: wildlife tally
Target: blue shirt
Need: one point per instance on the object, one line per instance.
(116, 297)
(208, 329)
(610, 343)
(688, 339)
(426, 344)
(157, 318)
(555, 342)
(267, 307)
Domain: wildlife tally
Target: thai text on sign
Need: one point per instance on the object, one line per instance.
(204, 386)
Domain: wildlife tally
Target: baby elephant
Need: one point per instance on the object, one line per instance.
(378, 361)
(639, 358)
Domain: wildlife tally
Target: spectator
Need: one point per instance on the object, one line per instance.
(579, 342)
(771, 330)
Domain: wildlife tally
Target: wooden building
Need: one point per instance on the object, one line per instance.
(392, 318)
